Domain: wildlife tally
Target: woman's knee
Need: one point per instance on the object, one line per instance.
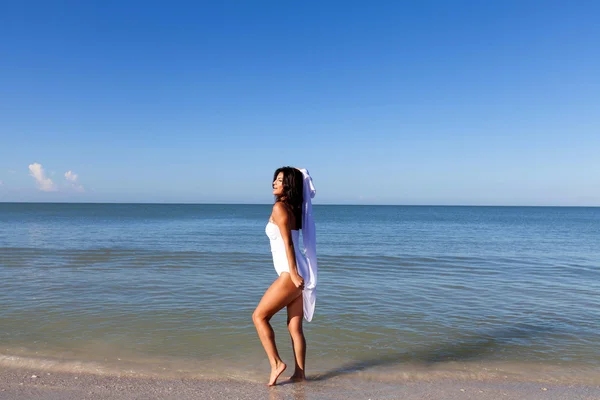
(295, 328)
(258, 316)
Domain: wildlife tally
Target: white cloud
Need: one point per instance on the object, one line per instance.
(71, 176)
(44, 183)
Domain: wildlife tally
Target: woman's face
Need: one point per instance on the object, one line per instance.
(278, 185)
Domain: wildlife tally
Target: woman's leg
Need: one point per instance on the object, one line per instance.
(278, 295)
(294, 321)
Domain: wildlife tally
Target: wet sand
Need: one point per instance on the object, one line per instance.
(30, 384)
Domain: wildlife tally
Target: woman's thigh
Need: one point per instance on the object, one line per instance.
(295, 312)
(281, 293)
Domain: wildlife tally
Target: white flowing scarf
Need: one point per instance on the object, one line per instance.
(309, 239)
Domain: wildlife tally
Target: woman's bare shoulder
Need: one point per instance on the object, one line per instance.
(280, 212)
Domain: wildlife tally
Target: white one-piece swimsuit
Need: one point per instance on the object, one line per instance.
(280, 260)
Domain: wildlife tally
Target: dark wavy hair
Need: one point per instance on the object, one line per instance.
(292, 190)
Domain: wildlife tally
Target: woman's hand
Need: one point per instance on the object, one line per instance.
(298, 281)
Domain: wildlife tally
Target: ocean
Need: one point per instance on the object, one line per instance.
(404, 292)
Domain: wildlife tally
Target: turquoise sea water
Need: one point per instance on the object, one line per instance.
(403, 291)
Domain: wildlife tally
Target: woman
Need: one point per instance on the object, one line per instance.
(293, 190)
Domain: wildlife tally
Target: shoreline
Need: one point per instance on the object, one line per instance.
(20, 383)
(384, 369)
(252, 370)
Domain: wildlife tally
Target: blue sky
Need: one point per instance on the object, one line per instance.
(385, 102)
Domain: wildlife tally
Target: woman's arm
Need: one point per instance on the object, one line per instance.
(281, 218)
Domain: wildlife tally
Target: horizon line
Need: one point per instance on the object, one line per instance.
(318, 204)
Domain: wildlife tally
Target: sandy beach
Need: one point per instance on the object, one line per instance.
(17, 384)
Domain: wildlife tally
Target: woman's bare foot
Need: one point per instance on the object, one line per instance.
(275, 372)
(298, 377)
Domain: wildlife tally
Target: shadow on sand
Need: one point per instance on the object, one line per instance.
(459, 350)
